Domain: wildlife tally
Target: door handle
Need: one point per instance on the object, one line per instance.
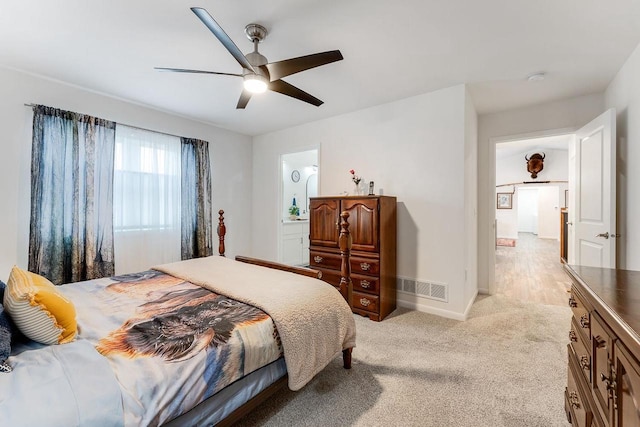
(605, 235)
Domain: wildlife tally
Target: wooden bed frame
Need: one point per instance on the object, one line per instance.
(345, 281)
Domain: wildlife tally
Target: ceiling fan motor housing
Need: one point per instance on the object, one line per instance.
(255, 32)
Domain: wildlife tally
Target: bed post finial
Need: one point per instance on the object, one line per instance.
(222, 230)
(345, 252)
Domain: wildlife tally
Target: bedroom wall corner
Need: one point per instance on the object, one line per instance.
(470, 201)
(230, 154)
(413, 149)
(623, 94)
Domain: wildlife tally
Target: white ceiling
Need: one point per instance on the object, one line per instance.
(392, 50)
(534, 145)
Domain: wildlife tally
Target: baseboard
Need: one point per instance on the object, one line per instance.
(416, 305)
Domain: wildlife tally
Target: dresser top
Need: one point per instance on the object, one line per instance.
(617, 290)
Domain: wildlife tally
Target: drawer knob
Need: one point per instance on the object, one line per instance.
(365, 284)
(572, 302)
(365, 266)
(574, 399)
(584, 362)
(572, 336)
(318, 259)
(365, 302)
(584, 320)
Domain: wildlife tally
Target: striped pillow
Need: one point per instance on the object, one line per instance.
(38, 309)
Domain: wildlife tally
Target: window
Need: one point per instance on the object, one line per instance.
(146, 199)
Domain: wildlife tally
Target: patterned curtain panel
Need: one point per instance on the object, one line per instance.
(196, 199)
(71, 234)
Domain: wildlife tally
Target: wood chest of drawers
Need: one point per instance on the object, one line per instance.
(372, 220)
(603, 377)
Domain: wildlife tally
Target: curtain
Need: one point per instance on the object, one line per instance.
(71, 229)
(146, 205)
(196, 199)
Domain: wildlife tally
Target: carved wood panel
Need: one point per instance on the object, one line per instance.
(363, 215)
(324, 215)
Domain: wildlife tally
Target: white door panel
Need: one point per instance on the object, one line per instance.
(595, 186)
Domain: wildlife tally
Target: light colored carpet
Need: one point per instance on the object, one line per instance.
(505, 366)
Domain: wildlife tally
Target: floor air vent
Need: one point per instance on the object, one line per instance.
(431, 290)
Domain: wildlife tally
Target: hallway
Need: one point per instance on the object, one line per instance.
(531, 271)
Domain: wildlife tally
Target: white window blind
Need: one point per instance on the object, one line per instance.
(146, 199)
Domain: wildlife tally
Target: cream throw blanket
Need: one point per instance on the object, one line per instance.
(314, 321)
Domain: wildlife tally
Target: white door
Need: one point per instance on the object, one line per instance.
(528, 210)
(594, 219)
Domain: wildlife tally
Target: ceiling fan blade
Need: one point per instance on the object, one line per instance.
(285, 88)
(245, 96)
(280, 69)
(222, 36)
(184, 70)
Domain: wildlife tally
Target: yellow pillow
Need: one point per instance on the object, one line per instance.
(38, 309)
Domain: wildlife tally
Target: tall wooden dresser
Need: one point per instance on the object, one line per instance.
(372, 223)
(603, 384)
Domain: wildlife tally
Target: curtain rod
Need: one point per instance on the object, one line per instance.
(131, 126)
(529, 182)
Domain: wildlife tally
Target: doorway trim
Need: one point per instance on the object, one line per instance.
(489, 245)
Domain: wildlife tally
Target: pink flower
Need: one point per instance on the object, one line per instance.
(354, 177)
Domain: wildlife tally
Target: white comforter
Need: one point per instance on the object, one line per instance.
(313, 320)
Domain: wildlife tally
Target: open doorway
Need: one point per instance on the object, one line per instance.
(299, 183)
(528, 219)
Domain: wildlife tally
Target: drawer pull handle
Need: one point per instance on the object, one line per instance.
(572, 302)
(365, 284)
(365, 266)
(611, 384)
(572, 336)
(365, 302)
(318, 259)
(575, 400)
(584, 362)
(584, 320)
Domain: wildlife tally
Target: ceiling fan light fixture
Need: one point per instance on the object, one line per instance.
(255, 83)
(536, 77)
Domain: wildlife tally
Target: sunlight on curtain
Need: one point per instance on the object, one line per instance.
(146, 199)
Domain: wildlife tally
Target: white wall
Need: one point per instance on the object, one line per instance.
(230, 157)
(568, 114)
(623, 94)
(413, 149)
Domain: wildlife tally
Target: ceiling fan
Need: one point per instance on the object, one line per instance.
(258, 74)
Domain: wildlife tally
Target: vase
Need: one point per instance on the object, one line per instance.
(357, 189)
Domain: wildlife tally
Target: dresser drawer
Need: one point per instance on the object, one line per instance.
(325, 259)
(362, 283)
(364, 302)
(581, 350)
(365, 266)
(330, 276)
(580, 313)
(581, 415)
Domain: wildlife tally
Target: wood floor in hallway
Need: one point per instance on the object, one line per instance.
(531, 271)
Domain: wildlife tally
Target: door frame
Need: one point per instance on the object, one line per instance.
(490, 244)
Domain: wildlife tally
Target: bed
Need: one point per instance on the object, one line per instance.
(197, 342)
